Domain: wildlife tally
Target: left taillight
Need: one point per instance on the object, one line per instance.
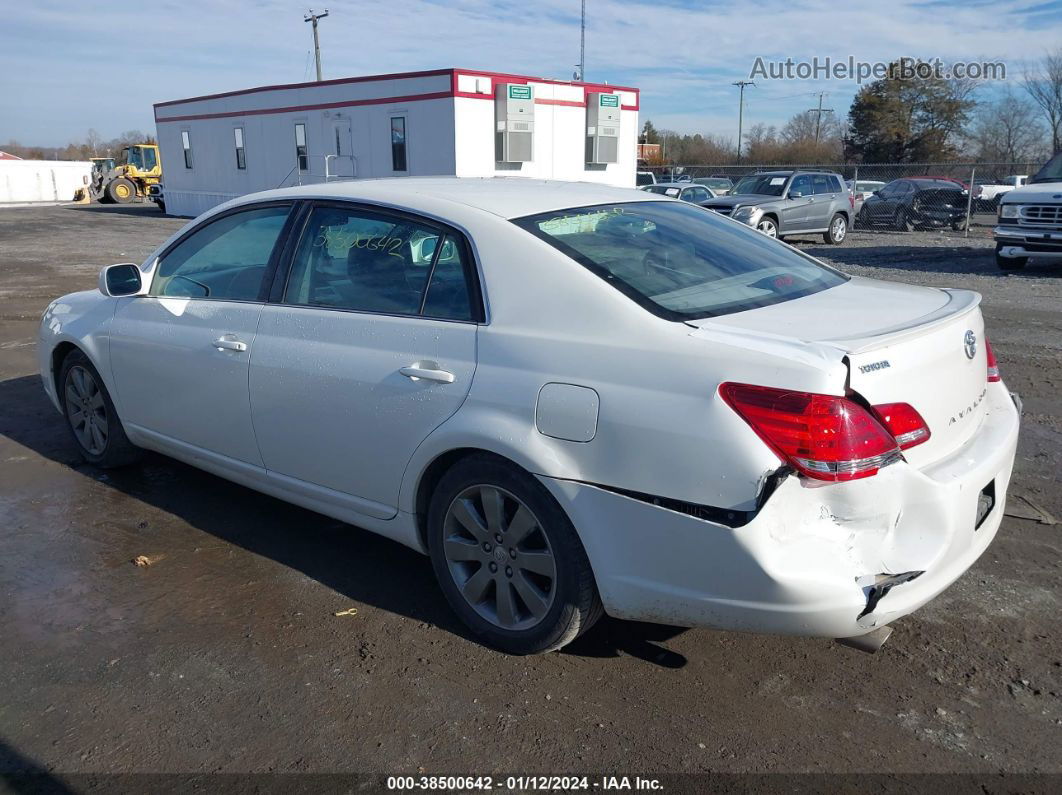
(825, 437)
(993, 364)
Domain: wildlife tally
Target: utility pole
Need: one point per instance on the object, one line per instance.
(818, 115)
(579, 76)
(312, 17)
(741, 110)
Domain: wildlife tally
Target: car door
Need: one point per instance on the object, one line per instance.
(794, 212)
(371, 346)
(821, 208)
(883, 205)
(179, 355)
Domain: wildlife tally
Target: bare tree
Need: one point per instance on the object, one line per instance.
(1007, 131)
(1044, 85)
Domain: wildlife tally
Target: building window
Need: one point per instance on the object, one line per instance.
(186, 142)
(398, 143)
(300, 147)
(241, 158)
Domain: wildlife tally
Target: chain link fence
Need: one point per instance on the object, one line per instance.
(895, 197)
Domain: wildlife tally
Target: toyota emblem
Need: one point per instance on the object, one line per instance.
(970, 342)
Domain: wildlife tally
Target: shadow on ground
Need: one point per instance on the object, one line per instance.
(358, 564)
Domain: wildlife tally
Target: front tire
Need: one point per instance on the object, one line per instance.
(902, 221)
(767, 226)
(121, 190)
(508, 559)
(91, 417)
(837, 231)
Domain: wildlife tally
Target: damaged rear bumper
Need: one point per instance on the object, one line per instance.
(814, 559)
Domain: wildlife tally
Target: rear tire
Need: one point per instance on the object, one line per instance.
(91, 418)
(121, 190)
(837, 231)
(1010, 263)
(902, 221)
(508, 559)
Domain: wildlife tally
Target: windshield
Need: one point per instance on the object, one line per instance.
(679, 261)
(1051, 172)
(760, 185)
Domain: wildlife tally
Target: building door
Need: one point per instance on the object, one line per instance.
(342, 164)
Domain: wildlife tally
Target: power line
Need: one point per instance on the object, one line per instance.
(312, 17)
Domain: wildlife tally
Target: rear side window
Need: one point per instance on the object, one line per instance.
(678, 261)
(823, 183)
(360, 260)
(224, 259)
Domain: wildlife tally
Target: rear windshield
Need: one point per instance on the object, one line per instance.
(679, 261)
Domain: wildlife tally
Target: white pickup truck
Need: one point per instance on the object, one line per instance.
(990, 192)
(1029, 223)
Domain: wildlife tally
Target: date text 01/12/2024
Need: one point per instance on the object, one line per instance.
(522, 783)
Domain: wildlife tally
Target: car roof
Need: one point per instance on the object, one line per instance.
(506, 197)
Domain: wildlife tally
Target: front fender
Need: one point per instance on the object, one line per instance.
(81, 320)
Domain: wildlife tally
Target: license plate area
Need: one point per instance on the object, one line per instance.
(986, 501)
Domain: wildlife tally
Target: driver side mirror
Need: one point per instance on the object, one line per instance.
(120, 280)
(796, 194)
(876, 193)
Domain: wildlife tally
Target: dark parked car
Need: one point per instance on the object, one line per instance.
(908, 204)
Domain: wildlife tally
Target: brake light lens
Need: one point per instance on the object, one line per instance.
(904, 423)
(993, 364)
(822, 436)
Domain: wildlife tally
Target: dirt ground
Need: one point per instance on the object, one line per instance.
(226, 654)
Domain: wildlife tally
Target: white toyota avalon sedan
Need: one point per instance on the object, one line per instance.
(574, 398)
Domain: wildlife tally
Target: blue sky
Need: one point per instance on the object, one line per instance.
(69, 66)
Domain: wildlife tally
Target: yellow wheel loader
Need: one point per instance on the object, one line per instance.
(139, 168)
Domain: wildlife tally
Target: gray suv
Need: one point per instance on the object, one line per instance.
(783, 203)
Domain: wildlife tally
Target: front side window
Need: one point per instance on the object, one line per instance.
(802, 185)
(302, 159)
(241, 157)
(398, 143)
(224, 259)
(186, 143)
(678, 261)
(359, 260)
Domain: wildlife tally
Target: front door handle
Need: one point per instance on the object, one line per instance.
(429, 371)
(227, 343)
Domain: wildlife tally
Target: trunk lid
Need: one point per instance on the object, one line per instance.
(902, 344)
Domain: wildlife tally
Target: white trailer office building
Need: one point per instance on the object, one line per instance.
(458, 122)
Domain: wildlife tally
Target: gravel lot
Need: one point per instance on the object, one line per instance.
(226, 655)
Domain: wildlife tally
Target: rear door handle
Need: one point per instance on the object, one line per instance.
(428, 373)
(227, 343)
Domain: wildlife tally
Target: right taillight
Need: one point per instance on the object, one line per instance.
(823, 436)
(993, 365)
(904, 423)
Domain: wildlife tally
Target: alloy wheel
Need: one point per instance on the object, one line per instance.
(499, 557)
(767, 227)
(86, 410)
(839, 230)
